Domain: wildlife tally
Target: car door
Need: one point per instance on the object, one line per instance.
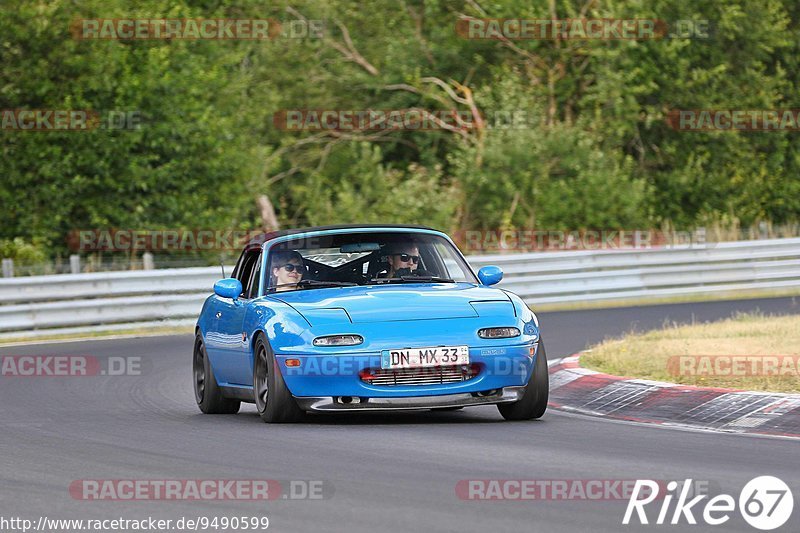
(242, 365)
(228, 344)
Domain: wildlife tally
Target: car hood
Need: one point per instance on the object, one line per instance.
(391, 303)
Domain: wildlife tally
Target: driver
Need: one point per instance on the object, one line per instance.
(287, 270)
(403, 260)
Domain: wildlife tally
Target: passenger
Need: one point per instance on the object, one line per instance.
(287, 270)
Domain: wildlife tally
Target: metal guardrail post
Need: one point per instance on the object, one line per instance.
(147, 261)
(8, 268)
(699, 236)
(75, 264)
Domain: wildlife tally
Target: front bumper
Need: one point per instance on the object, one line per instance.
(408, 403)
(336, 375)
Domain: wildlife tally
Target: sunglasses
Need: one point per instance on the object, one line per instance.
(289, 267)
(405, 258)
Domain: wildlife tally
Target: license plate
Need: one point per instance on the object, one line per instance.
(424, 357)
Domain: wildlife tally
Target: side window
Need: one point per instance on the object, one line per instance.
(238, 268)
(448, 263)
(244, 270)
(255, 278)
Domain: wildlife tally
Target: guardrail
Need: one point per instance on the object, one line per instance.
(124, 299)
(620, 274)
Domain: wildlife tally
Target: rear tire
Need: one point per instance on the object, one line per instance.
(206, 391)
(274, 402)
(533, 403)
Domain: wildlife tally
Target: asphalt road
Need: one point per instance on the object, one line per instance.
(381, 472)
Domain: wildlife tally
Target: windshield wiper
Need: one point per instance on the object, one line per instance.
(412, 279)
(319, 283)
(314, 283)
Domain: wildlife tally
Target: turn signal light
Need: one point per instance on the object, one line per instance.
(338, 340)
(498, 333)
(292, 362)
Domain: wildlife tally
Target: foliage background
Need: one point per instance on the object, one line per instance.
(596, 152)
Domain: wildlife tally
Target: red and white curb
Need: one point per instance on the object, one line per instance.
(580, 390)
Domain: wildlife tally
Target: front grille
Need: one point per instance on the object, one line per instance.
(434, 375)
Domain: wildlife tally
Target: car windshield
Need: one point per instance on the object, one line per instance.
(364, 258)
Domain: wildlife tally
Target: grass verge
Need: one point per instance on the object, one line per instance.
(111, 333)
(748, 344)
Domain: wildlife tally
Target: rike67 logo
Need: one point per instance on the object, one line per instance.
(765, 503)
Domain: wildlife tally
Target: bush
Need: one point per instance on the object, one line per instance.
(23, 252)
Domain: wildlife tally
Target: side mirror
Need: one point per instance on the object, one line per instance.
(490, 275)
(228, 288)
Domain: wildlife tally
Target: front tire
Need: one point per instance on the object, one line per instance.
(206, 391)
(274, 402)
(533, 403)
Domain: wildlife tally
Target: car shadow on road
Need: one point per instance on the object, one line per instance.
(470, 416)
(415, 418)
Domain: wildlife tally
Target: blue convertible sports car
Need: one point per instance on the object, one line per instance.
(369, 318)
